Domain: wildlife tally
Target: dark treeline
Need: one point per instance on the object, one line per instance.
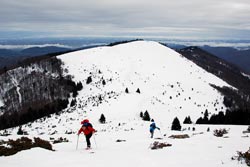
(237, 112)
(236, 117)
(42, 90)
(16, 118)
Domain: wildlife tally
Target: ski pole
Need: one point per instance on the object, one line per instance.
(77, 142)
(160, 133)
(95, 141)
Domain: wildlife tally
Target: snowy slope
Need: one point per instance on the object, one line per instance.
(170, 86)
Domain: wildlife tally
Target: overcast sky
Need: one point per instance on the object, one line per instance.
(184, 19)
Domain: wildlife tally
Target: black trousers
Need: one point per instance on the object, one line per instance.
(88, 139)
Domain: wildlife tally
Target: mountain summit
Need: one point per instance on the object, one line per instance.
(170, 85)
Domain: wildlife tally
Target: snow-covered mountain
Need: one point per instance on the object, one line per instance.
(170, 85)
(158, 80)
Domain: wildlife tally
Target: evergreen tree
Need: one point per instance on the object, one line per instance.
(75, 93)
(126, 90)
(146, 116)
(141, 114)
(79, 86)
(89, 80)
(20, 131)
(187, 120)
(176, 124)
(102, 119)
(138, 91)
(205, 118)
(103, 82)
(199, 121)
(73, 102)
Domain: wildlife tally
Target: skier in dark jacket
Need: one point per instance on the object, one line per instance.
(88, 130)
(152, 128)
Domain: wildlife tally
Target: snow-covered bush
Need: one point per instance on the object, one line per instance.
(42, 143)
(220, 132)
(179, 136)
(158, 145)
(60, 140)
(247, 131)
(243, 157)
(24, 143)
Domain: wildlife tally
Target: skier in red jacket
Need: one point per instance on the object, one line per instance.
(88, 130)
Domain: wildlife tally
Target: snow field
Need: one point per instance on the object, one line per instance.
(170, 86)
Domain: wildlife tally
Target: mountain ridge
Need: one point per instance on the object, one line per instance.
(143, 65)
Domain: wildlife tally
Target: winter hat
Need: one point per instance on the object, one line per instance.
(85, 121)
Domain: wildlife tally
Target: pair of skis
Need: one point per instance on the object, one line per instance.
(86, 148)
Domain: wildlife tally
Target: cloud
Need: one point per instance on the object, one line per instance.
(31, 46)
(194, 18)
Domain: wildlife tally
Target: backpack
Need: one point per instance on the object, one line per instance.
(87, 124)
(152, 127)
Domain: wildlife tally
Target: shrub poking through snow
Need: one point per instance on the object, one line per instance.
(179, 136)
(220, 132)
(23, 143)
(176, 124)
(102, 119)
(248, 130)
(60, 140)
(42, 143)
(21, 131)
(157, 145)
(243, 157)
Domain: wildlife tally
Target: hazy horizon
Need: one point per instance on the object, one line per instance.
(180, 19)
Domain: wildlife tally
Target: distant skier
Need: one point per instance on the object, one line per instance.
(88, 130)
(152, 128)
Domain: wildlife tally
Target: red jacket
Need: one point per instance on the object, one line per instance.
(86, 130)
